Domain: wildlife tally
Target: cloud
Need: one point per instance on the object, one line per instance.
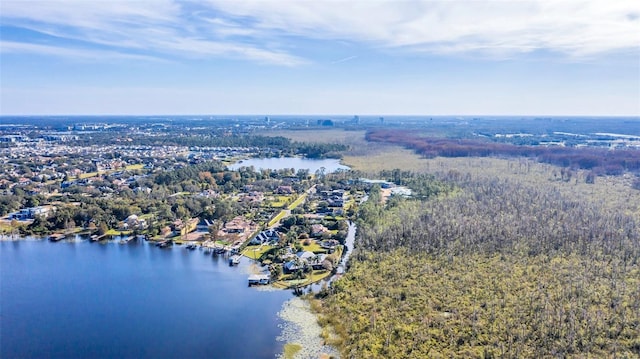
(272, 32)
(77, 54)
(160, 28)
(344, 60)
(568, 27)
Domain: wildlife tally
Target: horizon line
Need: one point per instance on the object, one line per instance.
(318, 115)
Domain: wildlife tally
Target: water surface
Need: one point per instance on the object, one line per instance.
(297, 163)
(82, 299)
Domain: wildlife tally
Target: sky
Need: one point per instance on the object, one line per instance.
(318, 57)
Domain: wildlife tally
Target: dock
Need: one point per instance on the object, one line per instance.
(125, 240)
(96, 238)
(234, 260)
(165, 243)
(259, 279)
(56, 237)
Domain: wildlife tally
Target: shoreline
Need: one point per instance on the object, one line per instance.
(300, 327)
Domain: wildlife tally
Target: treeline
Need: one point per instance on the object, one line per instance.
(495, 269)
(600, 161)
(268, 145)
(422, 185)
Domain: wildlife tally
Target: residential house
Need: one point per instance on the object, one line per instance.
(303, 259)
(318, 229)
(30, 213)
(284, 190)
(265, 237)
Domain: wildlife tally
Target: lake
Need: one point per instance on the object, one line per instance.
(277, 163)
(99, 300)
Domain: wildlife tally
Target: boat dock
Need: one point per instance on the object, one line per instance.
(165, 243)
(259, 279)
(234, 260)
(56, 237)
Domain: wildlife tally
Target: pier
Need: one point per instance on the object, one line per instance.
(259, 279)
(234, 260)
(56, 237)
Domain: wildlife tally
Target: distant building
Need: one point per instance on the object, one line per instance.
(12, 138)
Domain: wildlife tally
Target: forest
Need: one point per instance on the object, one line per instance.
(598, 160)
(493, 268)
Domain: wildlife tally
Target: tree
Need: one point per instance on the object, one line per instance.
(102, 229)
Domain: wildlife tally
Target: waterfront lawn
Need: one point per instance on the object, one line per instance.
(286, 281)
(117, 232)
(317, 275)
(256, 252)
(5, 226)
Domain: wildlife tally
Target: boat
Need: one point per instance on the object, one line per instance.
(234, 260)
(164, 244)
(191, 246)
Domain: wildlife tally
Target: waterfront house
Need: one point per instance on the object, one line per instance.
(304, 259)
(265, 237)
(135, 222)
(329, 244)
(237, 225)
(26, 214)
(305, 255)
(316, 261)
(292, 266)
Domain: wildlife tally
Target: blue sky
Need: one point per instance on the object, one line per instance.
(320, 57)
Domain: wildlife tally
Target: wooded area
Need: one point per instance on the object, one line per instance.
(599, 160)
(496, 268)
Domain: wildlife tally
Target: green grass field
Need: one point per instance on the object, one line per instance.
(255, 252)
(297, 202)
(115, 232)
(312, 247)
(88, 175)
(277, 218)
(138, 166)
